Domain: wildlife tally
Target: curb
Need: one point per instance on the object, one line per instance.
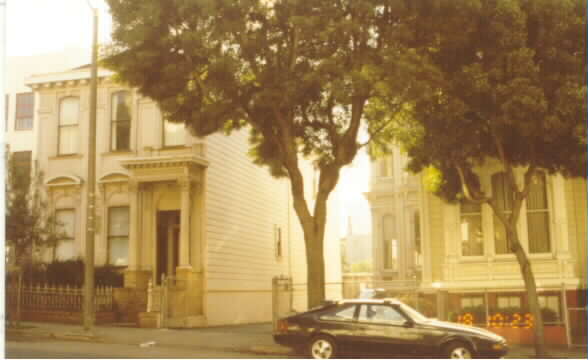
(270, 350)
(53, 335)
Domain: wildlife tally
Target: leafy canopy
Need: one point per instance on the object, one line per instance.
(296, 73)
(496, 76)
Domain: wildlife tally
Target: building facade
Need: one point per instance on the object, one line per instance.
(193, 214)
(395, 202)
(459, 251)
(21, 104)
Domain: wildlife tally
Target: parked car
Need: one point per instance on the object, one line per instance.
(385, 327)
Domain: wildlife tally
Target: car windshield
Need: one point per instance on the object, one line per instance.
(415, 315)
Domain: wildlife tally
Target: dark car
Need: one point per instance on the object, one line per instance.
(385, 327)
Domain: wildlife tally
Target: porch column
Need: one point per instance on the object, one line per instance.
(186, 187)
(133, 224)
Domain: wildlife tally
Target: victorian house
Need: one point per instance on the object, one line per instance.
(192, 212)
(458, 252)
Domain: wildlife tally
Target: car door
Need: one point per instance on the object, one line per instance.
(385, 331)
(341, 323)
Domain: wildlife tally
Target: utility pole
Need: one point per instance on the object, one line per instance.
(89, 311)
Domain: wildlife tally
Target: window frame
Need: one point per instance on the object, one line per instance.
(395, 265)
(20, 106)
(461, 215)
(72, 239)
(325, 315)
(109, 236)
(385, 323)
(59, 126)
(114, 122)
(547, 210)
(163, 137)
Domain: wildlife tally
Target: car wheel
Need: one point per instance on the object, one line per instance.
(457, 350)
(322, 347)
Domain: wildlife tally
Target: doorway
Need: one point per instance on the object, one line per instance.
(168, 234)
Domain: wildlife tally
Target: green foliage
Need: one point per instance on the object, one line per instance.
(70, 272)
(511, 71)
(29, 224)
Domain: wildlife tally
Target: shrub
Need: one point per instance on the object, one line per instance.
(70, 272)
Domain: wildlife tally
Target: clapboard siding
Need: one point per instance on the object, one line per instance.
(244, 203)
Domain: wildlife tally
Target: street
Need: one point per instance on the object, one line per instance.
(39, 349)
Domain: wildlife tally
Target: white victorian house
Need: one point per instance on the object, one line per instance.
(195, 210)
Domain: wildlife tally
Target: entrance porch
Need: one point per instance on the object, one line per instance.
(163, 283)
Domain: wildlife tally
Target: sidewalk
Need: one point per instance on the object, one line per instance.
(251, 338)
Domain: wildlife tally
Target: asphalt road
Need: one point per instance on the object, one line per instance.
(75, 350)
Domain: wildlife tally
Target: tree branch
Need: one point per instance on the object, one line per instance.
(477, 198)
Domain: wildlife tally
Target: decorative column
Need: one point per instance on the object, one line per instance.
(132, 276)
(133, 224)
(186, 188)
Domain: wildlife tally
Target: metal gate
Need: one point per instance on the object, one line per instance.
(282, 298)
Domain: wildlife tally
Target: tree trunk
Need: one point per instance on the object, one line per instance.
(531, 288)
(315, 267)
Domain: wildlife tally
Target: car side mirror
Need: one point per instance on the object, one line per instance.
(408, 324)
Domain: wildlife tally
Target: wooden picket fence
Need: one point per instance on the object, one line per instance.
(47, 297)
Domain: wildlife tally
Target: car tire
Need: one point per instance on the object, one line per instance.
(322, 347)
(457, 350)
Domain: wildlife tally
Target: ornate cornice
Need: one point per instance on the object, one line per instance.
(156, 162)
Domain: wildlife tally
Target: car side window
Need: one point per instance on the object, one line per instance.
(382, 314)
(345, 313)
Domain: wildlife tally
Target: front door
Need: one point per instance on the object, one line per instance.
(168, 233)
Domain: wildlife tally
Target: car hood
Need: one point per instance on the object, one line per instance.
(464, 328)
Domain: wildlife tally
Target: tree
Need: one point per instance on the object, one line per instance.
(296, 74)
(29, 226)
(502, 80)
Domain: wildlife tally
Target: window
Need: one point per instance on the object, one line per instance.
(120, 126)
(417, 231)
(118, 236)
(471, 301)
(25, 106)
(472, 242)
(380, 314)
(503, 195)
(386, 165)
(345, 313)
(68, 125)
(538, 216)
(173, 133)
(22, 163)
(6, 110)
(550, 302)
(65, 249)
(278, 241)
(390, 243)
(505, 302)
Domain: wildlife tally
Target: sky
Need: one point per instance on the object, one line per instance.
(35, 27)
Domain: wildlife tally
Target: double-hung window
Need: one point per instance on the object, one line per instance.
(69, 109)
(174, 134)
(538, 216)
(118, 236)
(472, 241)
(390, 243)
(25, 106)
(503, 196)
(120, 127)
(65, 249)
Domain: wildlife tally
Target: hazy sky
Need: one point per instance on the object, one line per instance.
(40, 26)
